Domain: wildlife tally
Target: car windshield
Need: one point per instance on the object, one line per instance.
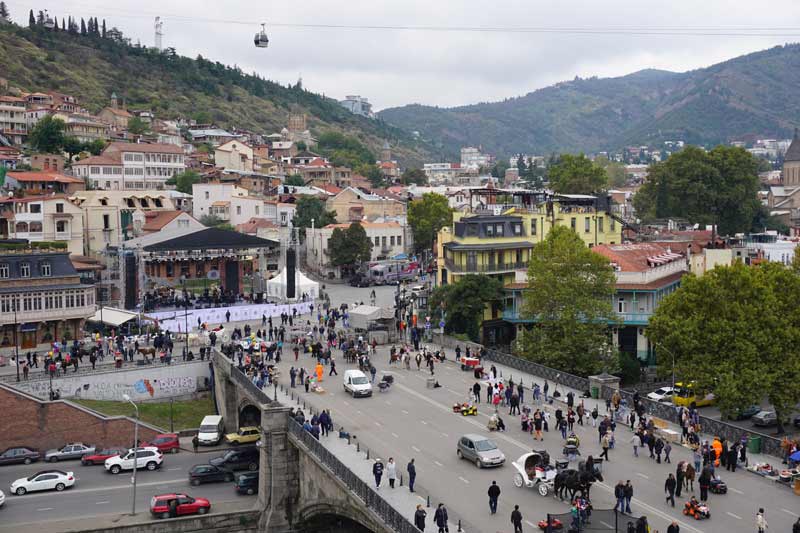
(208, 429)
(485, 445)
(360, 380)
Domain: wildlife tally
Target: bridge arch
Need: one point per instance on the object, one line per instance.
(249, 415)
(330, 515)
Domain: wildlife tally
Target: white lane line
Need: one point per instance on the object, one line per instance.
(416, 449)
(737, 517)
(395, 435)
(464, 480)
(101, 503)
(609, 526)
(346, 403)
(174, 468)
(437, 463)
(531, 523)
(45, 509)
(451, 391)
(377, 423)
(73, 490)
(405, 412)
(642, 475)
(737, 491)
(445, 435)
(424, 423)
(787, 511)
(388, 402)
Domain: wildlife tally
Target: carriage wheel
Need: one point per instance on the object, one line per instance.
(543, 489)
(518, 480)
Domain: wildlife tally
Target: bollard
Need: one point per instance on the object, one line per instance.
(358, 446)
(348, 439)
(367, 454)
(429, 500)
(401, 480)
(459, 526)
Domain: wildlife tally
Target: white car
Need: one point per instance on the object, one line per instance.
(664, 394)
(147, 457)
(44, 480)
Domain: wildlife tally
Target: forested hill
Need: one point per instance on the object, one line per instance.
(755, 94)
(91, 67)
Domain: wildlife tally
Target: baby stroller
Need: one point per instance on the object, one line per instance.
(571, 452)
(696, 509)
(717, 486)
(385, 382)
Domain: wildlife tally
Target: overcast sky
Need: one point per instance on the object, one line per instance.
(445, 68)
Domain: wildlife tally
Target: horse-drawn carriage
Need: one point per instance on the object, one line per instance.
(533, 470)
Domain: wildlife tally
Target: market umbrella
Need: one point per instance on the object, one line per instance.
(795, 456)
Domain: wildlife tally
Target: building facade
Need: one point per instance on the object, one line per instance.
(352, 205)
(388, 240)
(51, 218)
(13, 122)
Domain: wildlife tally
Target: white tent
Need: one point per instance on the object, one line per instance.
(362, 315)
(112, 316)
(276, 287)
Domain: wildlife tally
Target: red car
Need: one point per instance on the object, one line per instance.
(181, 505)
(100, 456)
(166, 443)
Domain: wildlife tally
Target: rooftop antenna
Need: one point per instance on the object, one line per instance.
(158, 26)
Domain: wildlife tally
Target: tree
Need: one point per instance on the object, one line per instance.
(137, 126)
(576, 174)
(372, 173)
(31, 20)
(183, 182)
(427, 216)
(569, 296)
(310, 208)
(735, 331)
(95, 147)
(717, 187)
(416, 176)
(461, 304)
(213, 221)
(5, 16)
(301, 146)
(349, 247)
(103, 34)
(83, 27)
(73, 147)
(294, 180)
(47, 135)
(615, 171)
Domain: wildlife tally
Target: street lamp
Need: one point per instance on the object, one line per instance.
(135, 449)
(16, 344)
(185, 317)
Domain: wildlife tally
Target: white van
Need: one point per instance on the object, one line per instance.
(211, 430)
(357, 383)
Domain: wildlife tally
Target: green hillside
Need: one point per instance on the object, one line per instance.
(92, 67)
(755, 94)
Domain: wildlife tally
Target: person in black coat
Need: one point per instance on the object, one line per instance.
(669, 488)
(675, 528)
(377, 471)
(419, 518)
(440, 518)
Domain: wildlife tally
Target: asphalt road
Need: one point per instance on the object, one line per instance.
(413, 421)
(97, 492)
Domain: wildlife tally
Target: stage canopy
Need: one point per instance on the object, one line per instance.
(276, 287)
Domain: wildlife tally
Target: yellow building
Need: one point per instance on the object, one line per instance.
(496, 234)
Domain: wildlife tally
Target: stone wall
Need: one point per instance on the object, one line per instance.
(43, 425)
(236, 522)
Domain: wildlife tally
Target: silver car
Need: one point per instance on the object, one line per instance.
(76, 450)
(765, 418)
(480, 450)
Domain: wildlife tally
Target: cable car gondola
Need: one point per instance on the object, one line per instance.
(48, 21)
(261, 40)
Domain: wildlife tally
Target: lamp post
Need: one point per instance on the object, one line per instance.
(135, 450)
(16, 343)
(102, 331)
(185, 317)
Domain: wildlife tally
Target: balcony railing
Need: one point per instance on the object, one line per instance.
(633, 319)
(484, 268)
(49, 314)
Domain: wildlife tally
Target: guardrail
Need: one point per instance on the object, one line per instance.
(523, 365)
(86, 370)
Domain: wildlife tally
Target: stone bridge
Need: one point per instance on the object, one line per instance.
(303, 487)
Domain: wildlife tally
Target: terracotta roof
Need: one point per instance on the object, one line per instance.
(366, 224)
(388, 164)
(44, 176)
(254, 224)
(637, 257)
(318, 162)
(333, 189)
(155, 220)
(143, 147)
(657, 284)
(515, 286)
(793, 153)
(111, 159)
(119, 112)
(12, 99)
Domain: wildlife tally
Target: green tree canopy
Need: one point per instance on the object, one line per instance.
(569, 296)
(576, 174)
(461, 304)
(735, 331)
(137, 126)
(47, 135)
(309, 208)
(183, 182)
(95, 147)
(349, 247)
(615, 171)
(73, 147)
(414, 175)
(294, 180)
(717, 187)
(427, 216)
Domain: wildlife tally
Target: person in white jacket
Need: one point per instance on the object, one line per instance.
(761, 522)
(391, 471)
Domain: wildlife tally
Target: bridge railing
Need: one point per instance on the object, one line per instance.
(374, 501)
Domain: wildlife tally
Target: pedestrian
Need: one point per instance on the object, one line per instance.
(546, 389)
(667, 451)
(619, 494)
(440, 518)
(679, 474)
(333, 367)
(412, 474)
(195, 443)
(761, 522)
(516, 519)
(796, 526)
(377, 471)
(605, 444)
(594, 416)
(227, 316)
(704, 481)
(636, 441)
(632, 419)
(628, 496)
(391, 472)
(307, 383)
(494, 495)
(669, 487)
(419, 517)
(476, 391)
(659, 448)
(292, 376)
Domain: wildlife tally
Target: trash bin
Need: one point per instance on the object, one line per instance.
(754, 444)
(595, 392)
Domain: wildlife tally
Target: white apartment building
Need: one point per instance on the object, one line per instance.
(51, 218)
(357, 105)
(130, 166)
(472, 158)
(388, 240)
(234, 155)
(13, 122)
(226, 201)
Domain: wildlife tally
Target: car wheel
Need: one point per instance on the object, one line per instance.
(60, 487)
(151, 465)
(27, 461)
(165, 515)
(202, 510)
(21, 491)
(54, 459)
(518, 480)
(478, 463)
(252, 467)
(115, 469)
(250, 492)
(175, 450)
(195, 482)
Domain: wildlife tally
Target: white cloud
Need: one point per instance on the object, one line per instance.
(394, 67)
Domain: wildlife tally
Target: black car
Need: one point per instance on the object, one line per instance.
(208, 474)
(19, 455)
(247, 483)
(245, 458)
(359, 280)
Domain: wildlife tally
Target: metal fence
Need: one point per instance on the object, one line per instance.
(85, 369)
(598, 520)
(523, 365)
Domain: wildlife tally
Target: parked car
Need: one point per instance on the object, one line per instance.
(245, 458)
(149, 458)
(208, 474)
(480, 450)
(44, 480)
(165, 442)
(183, 505)
(765, 418)
(99, 457)
(22, 454)
(76, 450)
(247, 483)
(744, 413)
(663, 394)
(245, 435)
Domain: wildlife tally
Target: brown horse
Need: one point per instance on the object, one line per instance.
(147, 350)
(688, 478)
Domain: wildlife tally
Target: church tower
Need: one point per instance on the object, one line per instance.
(791, 163)
(386, 152)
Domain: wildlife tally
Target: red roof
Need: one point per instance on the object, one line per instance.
(54, 177)
(155, 148)
(317, 162)
(111, 159)
(637, 257)
(252, 226)
(155, 220)
(389, 164)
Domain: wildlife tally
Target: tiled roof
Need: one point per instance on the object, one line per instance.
(254, 224)
(653, 285)
(155, 220)
(110, 159)
(637, 257)
(37, 198)
(154, 148)
(43, 176)
(118, 112)
(793, 153)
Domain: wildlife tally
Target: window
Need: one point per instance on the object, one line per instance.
(600, 224)
(144, 202)
(45, 269)
(399, 240)
(499, 230)
(62, 226)
(621, 304)
(383, 241)
(22, 227)
(613, 224)
(517, 229)
(108, 184)
(391, 240)
(574, 224)
(106, 221)
(533, 226)
(35, 208)
(587, 225)
(239, 210)
(25, 270)
(36, 227)
(4, 270)
(170, 270)
(377, 241)
(207, 195)
(183, 223)
(60, 207)
(490, 230)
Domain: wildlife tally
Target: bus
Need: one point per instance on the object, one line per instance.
(686, 395)
(391, 272)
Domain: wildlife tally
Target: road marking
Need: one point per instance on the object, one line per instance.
(737, 491)
(787, 511)
(416, 449)
(424, 423)
(346, 403)
(395, 435)
(437, 463)
(359, 412)
(45, 509)
(453, 392)
(642, 475)
(464, 480)
(377, 423)
(530, 523)
(175, 468)
(445, 435)
(405, 412)
(737, 517)
(101, 503)
(609, 526)
(388, 402)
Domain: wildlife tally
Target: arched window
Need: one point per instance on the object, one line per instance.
(35, 227)
(22, 227)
